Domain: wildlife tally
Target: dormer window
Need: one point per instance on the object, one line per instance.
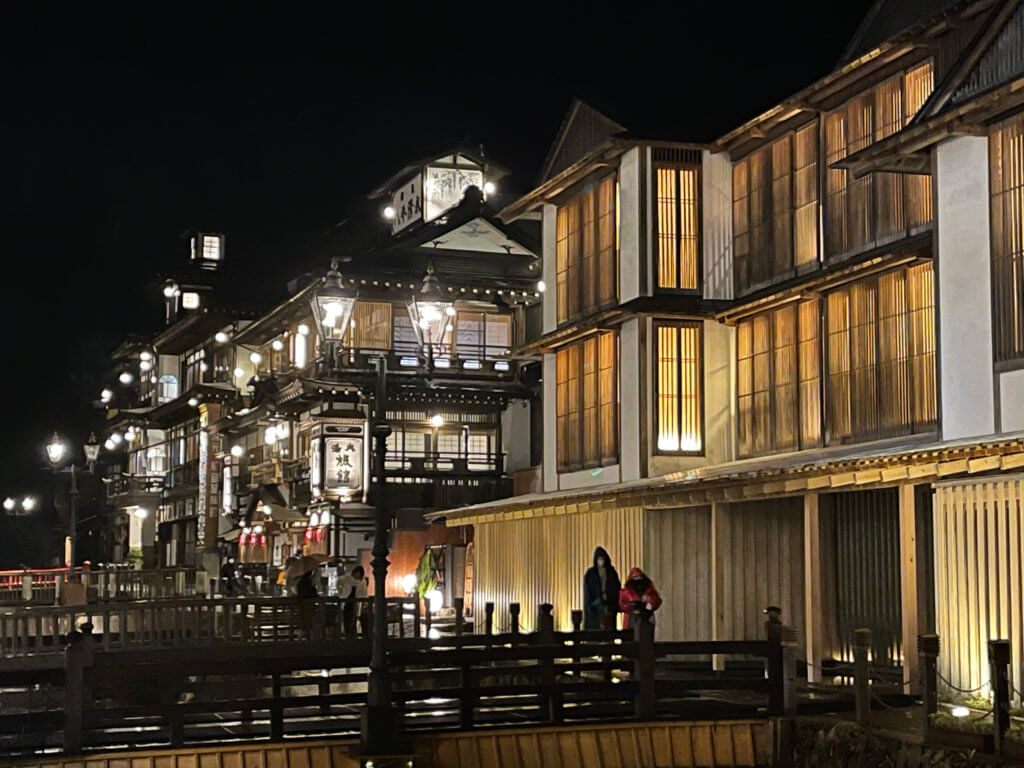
(211, 248)
(208, 250)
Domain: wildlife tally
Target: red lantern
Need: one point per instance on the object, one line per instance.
(252, 539)
(320, 534)
(309, 534)
(263, 540)
(241, 539)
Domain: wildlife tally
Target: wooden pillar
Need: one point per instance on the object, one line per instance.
(814, 609)
(721, 553)
(909, 589)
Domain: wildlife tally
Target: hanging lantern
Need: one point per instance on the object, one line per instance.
(431, 312)
(332, 305)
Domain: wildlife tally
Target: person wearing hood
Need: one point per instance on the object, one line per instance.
(601, 587)
(638, 589)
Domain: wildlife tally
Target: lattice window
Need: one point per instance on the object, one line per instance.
(679, 393)
(586, 243)
(678, 228)
(1006, 153)
(586, 408)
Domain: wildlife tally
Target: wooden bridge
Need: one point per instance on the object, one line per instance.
(185, 679)
(47, 586)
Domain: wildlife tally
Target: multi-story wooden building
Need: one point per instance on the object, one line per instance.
(237, 431)
(784, 367)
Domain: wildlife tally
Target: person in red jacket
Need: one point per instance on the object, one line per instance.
(637, 589)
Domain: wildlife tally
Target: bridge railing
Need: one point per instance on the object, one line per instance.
(190, 695)
(198, 622)
(44, 587)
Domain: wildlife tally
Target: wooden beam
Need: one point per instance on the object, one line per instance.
(909, 587)
(814, 616)
(720, 560)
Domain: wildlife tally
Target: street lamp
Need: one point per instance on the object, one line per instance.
(57, 453)
(431, 312)
(332, 305)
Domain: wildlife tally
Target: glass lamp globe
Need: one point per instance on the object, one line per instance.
(332, 305)
(56, 450)
(431, 311)
(91, 448)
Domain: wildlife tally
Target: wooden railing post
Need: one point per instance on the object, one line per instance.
(26, 587)
(862, 675)
(552, 701)
(460, 606)
(576, 616)
(513, 612)
(643, 634)
(276, 709)
(427, 620)
(774, 668)
(999, 663)
(417, 607)
(789, 643)
(466, 699)
(928, 650)
(77, 657)
(488, 618)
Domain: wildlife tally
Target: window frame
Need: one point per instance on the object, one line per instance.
(577, 415)
(697, 325)
(1007, 334)
(677, 169)
(576, 197)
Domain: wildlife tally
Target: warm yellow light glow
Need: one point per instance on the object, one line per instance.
(277, 345)
(960, 712)
(437, 420)
(126, 378)
(10, 504)
(409, 583)
(28, 503)
(303, 329)
(239, 372)
(220, 337)
(255, 358)
(237, 451)
(389, 213)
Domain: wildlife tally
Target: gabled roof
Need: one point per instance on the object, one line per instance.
(477, 156)
(886, 19)
(582, 129)
(1001, 60)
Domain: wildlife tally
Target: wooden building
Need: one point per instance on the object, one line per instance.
(783, 367)
(231, 433)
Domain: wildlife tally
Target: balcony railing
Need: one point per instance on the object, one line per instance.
(462, 361)
(183, 475)
(446, 462)
(123, 489)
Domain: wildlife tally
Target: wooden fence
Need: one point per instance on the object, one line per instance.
(96, 697)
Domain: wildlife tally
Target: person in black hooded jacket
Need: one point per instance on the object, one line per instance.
(600, 592)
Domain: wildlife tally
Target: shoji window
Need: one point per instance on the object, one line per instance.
(879, 207)
(587, 418)
(586, 242)
(680, 412)
(370, 326)
(678, 227)
(1006, 152)
(778, 372)
(881, 361)
(482, 334)
(775, 209)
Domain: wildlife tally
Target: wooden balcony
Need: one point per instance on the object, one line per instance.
(135, 491)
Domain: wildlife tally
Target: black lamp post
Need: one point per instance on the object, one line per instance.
(332, 305)
(57, 451)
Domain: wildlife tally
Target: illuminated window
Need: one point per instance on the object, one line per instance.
(778, 379)
(482, 334)
(299, 347)
(679, 404)
(370, 326)
(678, 228)
(167, 388)
(881, 356)
(211, 247)
(1006, 153)
(585, 250)
(775, 209)
(587, 402)
(878, 207)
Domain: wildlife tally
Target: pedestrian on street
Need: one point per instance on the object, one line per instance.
(600, 592)
(352, 590)
(638, 589)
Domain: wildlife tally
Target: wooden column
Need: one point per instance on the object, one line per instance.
(909, 589)
(720, 554)
(814, 609)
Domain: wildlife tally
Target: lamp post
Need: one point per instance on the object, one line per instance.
(332, 305)
(56, 452)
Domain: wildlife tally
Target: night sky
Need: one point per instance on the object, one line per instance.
(121, 132)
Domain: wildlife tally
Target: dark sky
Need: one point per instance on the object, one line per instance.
(123, 129)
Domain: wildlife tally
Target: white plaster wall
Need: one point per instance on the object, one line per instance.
(630, 261)
(1011, 405)
(515, 435)
(549, 271)
(629, 399)
(963, 285)
(548, 393)
(719, 404)
(716, 220)
(586, 478)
